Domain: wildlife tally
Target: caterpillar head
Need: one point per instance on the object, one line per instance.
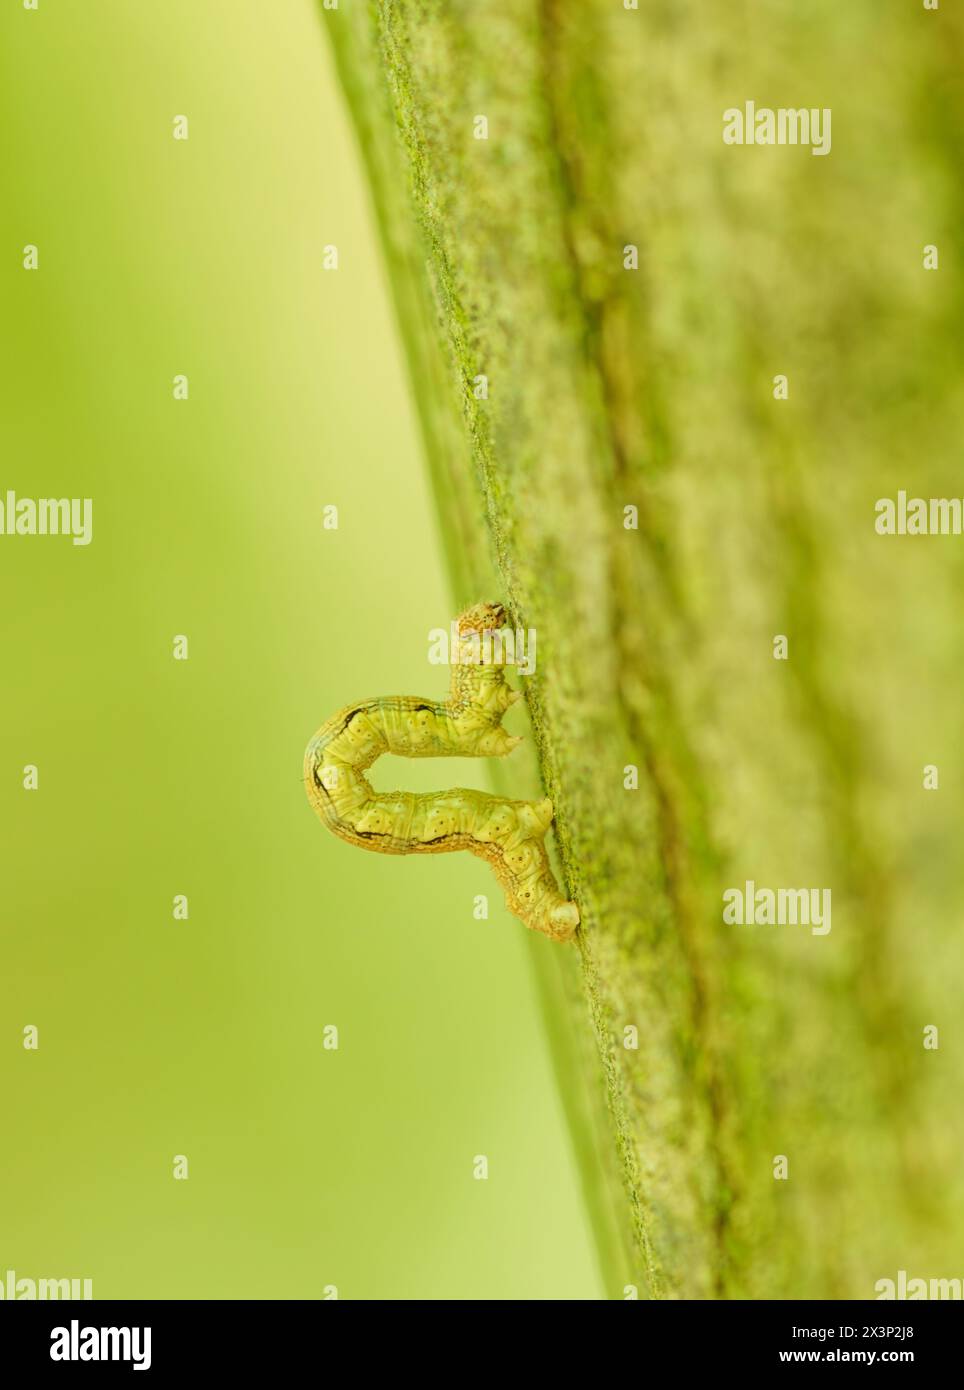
(482, 640)
(481, 617)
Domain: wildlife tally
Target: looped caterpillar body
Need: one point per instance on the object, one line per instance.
(509, 834)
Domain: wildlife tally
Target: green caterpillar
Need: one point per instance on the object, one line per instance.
(509, 834)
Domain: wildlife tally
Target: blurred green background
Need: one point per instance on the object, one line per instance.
(308, 1167)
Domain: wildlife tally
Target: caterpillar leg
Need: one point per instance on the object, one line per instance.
(511, 835)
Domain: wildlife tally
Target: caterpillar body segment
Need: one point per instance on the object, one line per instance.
(509, 834)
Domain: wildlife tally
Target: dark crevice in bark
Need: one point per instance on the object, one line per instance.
(674, 853)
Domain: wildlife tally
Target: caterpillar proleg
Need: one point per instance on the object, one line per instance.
(509, 834)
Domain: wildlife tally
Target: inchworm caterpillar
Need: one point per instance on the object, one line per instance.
(509, 834)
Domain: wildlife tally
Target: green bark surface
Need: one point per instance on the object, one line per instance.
(653, 388)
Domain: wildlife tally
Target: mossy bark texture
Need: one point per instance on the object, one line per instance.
(597, 296)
